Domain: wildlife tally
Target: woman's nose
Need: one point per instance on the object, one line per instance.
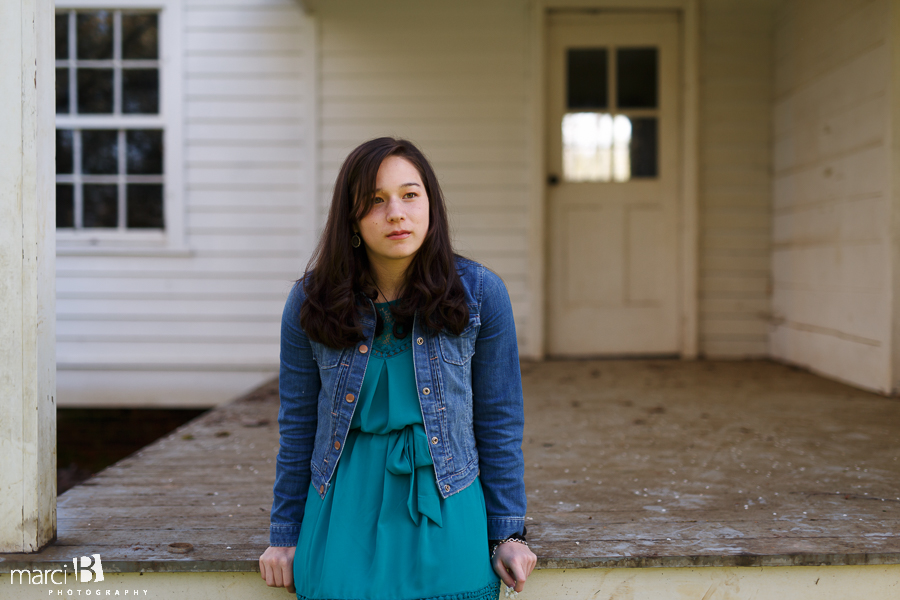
(395, 210)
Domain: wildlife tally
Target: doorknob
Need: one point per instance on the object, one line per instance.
(552, 179)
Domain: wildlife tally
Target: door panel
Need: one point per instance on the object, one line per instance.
(612, 216)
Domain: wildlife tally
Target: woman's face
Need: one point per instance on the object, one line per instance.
(395, 226)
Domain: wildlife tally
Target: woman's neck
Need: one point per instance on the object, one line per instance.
(388, 280)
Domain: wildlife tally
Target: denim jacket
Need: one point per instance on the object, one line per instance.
(470, 392)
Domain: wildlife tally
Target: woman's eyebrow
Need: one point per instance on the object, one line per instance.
(377, 190)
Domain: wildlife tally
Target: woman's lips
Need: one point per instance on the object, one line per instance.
(398, 235)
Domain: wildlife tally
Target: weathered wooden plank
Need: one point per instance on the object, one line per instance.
(609, 446)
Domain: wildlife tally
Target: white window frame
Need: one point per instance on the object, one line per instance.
(171, 239)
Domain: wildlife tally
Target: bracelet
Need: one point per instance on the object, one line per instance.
(518, 538)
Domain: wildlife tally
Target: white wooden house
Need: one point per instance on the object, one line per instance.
(728, 186)
(681, 178)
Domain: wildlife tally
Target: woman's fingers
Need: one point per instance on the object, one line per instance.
(500, 570)
(514, 563)
(276, 566)
(519, 575)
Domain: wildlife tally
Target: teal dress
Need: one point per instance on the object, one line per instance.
(383, 531)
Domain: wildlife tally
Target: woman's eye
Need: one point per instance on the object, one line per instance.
(410, 195)
(377, 200)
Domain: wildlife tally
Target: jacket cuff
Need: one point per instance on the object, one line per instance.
(283, 535)
(500, 528)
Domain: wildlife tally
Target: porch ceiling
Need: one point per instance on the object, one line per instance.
(308, 6)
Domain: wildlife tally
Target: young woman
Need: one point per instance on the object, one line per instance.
(401, 404)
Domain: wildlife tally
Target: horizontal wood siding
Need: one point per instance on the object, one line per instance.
(831, 244)
(249, 218)
(452, 77)
(735, 176)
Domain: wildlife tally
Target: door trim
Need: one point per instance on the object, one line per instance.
(688, 213)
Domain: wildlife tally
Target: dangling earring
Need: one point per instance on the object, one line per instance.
(355, 241)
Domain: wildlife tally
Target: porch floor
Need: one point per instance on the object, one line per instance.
(629, 463)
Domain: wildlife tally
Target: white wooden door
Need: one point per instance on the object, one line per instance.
(613, 166)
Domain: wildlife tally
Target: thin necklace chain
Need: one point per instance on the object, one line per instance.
(380, 292)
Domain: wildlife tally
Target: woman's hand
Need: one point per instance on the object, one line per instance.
(513, 562)
(276, 566)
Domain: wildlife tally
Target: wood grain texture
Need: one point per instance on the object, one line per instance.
(642, 463)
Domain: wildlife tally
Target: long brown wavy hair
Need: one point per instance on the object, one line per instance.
(338, 276)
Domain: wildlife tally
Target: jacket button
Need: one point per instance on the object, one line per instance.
(322, 489)
(420, 341)
(363, 349)
(426, 391)
(446, 488)
(349, 398)
(434, 440)
(337, 445)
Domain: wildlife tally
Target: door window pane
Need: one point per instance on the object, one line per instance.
(586, 83)
(144, 151)
(603, 147)
(65, 205)
(636, 77)
(101, 205)
(643, 151)
(100, 152)
(95, 91)
(587, 146)
(140, 91)
(139, 36)
(63, 150)
(145, 206)
(94, 37)
(62, 91)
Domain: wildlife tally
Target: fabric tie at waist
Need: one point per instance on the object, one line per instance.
(408, 451)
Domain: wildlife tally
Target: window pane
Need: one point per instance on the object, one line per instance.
(145, 206)
(144, 151)
(140, 91)
(587, 146)
(101, 205)
(100, 152)
(139, 36)
(644, 147)
(62, 91)
(95, 35)
(603, 147)
(586, 83)
(65, 205)
(636, 77)
(62, 36)
(63, 150)
(95, 91)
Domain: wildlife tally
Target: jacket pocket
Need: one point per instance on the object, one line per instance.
(326, 356)
(458, 349)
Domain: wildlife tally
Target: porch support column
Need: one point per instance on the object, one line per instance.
(894, 192)
(27, 270)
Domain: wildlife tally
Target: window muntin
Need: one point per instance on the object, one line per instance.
(110, 134)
